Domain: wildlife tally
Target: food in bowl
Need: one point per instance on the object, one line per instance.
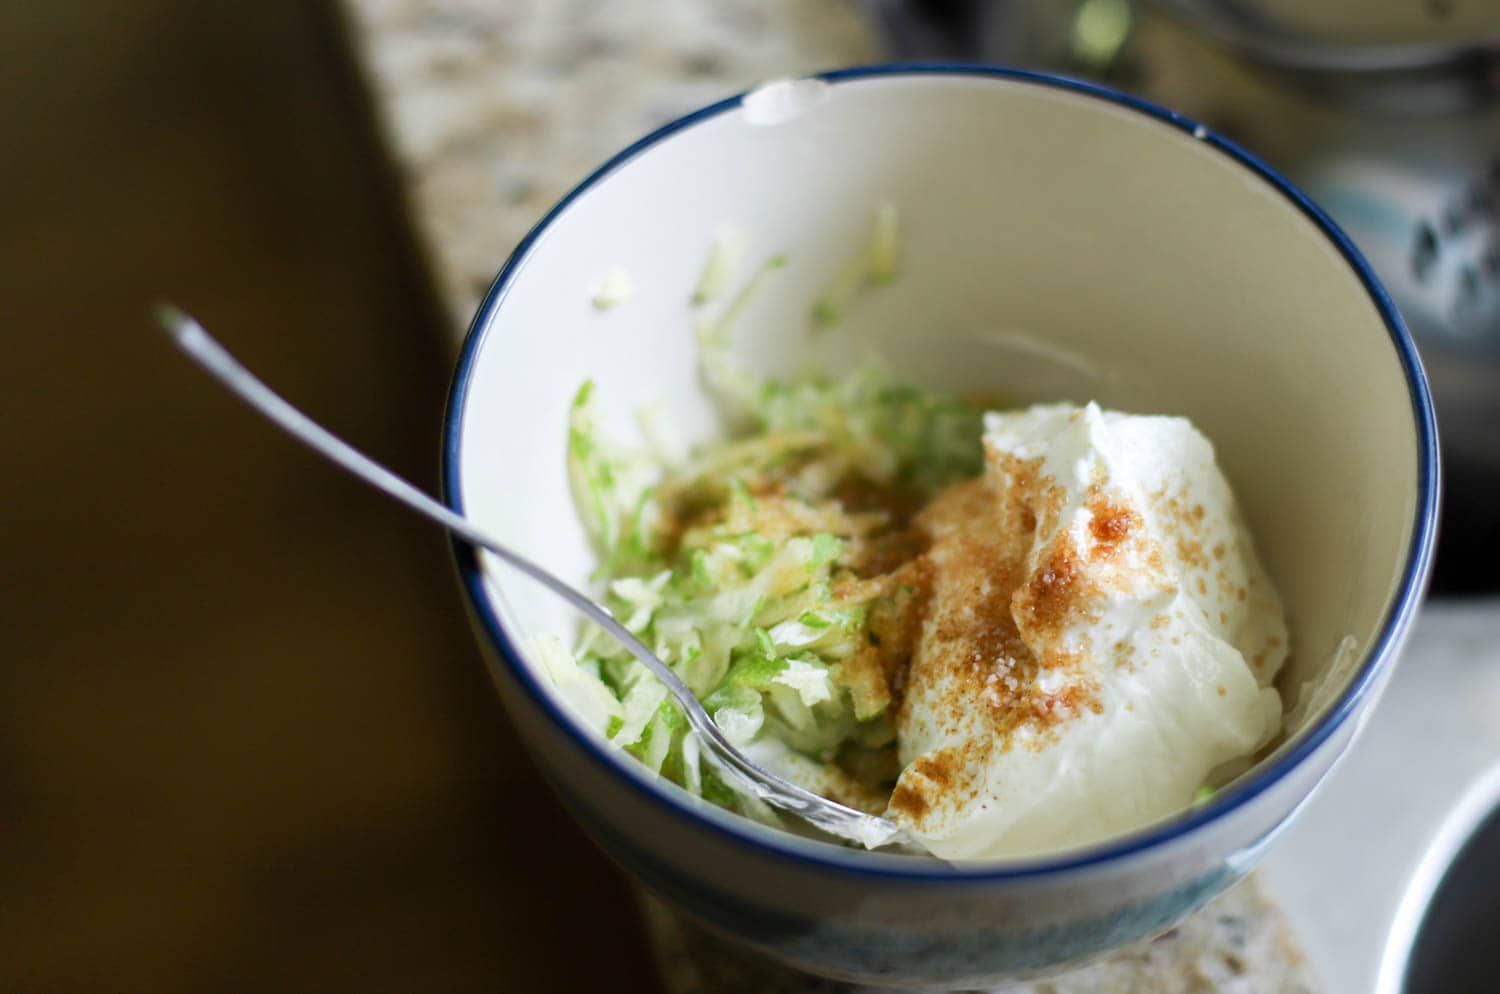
(1185, 278)
(1099, 638)
(1008, 631)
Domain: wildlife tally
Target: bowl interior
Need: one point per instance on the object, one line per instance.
(1053, 245)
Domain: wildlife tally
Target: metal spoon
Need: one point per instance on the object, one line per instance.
(829, 816)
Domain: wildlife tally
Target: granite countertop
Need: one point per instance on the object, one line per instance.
(497, 109)
(1238, 944)
(494, 110)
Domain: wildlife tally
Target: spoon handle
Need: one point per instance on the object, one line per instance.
(200, 346)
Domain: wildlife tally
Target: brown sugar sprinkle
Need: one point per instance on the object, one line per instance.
(941, 768)
(894, 620)
(1110, 524)
(1056, 593)
(1191, 553)
(775, 515)
(881, 567)
(1177, 517)
(970, 649)
(1026, 499)
(968, 634)
(908, 800)
(938, 780)
(975, 567)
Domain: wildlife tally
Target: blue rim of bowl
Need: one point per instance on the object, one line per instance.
(830, 857)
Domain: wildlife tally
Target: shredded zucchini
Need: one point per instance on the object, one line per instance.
(750, 566)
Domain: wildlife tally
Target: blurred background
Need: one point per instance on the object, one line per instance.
(247, 742)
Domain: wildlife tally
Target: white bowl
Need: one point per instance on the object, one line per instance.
(1060, 241)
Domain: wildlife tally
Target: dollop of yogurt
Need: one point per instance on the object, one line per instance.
(1100, 638)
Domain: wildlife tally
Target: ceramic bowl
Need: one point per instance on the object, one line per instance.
(1058, 241)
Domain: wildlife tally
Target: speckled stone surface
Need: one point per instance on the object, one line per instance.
(494, 109)
(1238, 944)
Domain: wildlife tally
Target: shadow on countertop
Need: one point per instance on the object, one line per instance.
(247, 742)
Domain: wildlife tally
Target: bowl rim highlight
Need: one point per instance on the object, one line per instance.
(813, 854)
